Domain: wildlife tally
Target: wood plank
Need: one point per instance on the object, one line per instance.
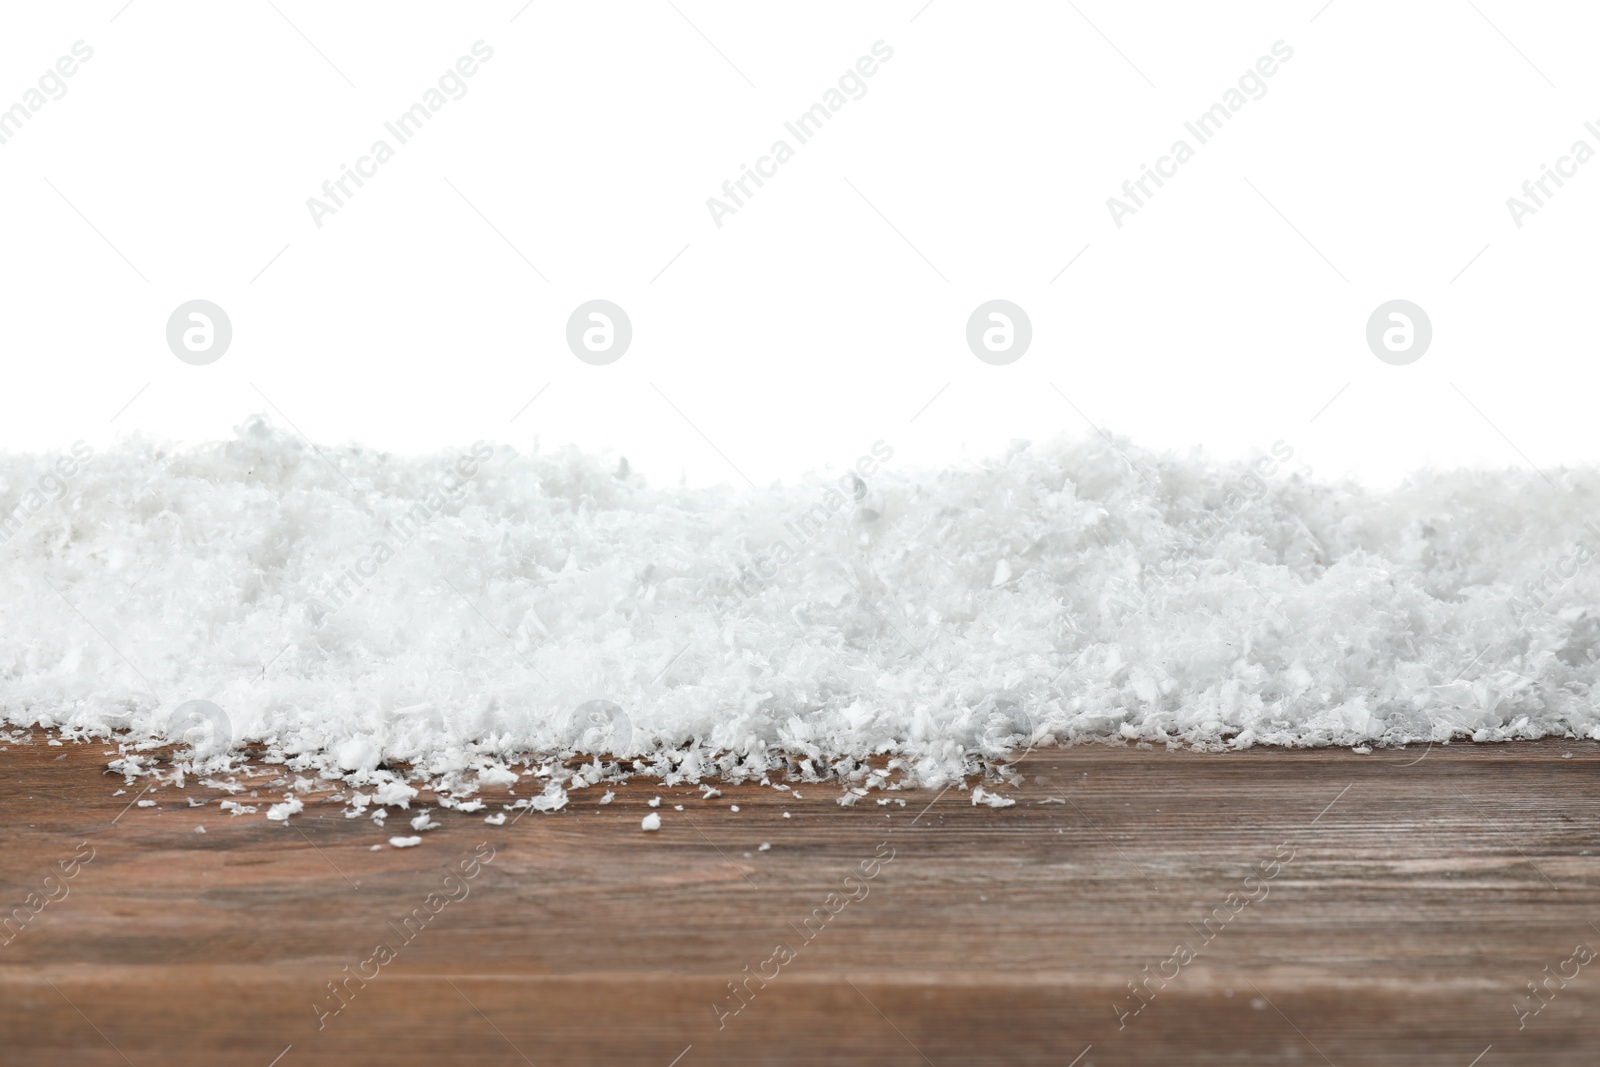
(1411, 903)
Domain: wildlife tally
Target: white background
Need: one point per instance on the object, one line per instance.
(806, 327)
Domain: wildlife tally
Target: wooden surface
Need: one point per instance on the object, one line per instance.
(1418, 902)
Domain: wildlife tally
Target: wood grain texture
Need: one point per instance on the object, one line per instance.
(1418, 901)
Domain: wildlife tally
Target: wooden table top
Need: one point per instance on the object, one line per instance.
(1134, 906)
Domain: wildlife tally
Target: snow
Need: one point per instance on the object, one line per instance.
(650, 822)
(405, 842)
(496, 775)
(981, 795)
(292, 805)
(353, 610)
(554, 798)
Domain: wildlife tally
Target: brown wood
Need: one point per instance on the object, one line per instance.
(1414, 910)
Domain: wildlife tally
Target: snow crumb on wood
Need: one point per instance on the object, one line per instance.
(280, 812)
(994, 800)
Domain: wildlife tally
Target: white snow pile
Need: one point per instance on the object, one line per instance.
(352, 609)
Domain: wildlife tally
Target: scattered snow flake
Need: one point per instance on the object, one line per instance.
(146, 803)
(405, 842)
(554, 798)
(119, 792)
(708, 792)
(199, 829)
(734, 807)
(423, 822)
(655, 802)
(786, 815)
(280, 812)
(1362, 750)
(765, 847)
(497, 774)
(994, 800)
(650, 822)
(610, 796)
(237, 808)
(395, 794)
(677, 807)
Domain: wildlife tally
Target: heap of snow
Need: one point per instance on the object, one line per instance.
(352, 608)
